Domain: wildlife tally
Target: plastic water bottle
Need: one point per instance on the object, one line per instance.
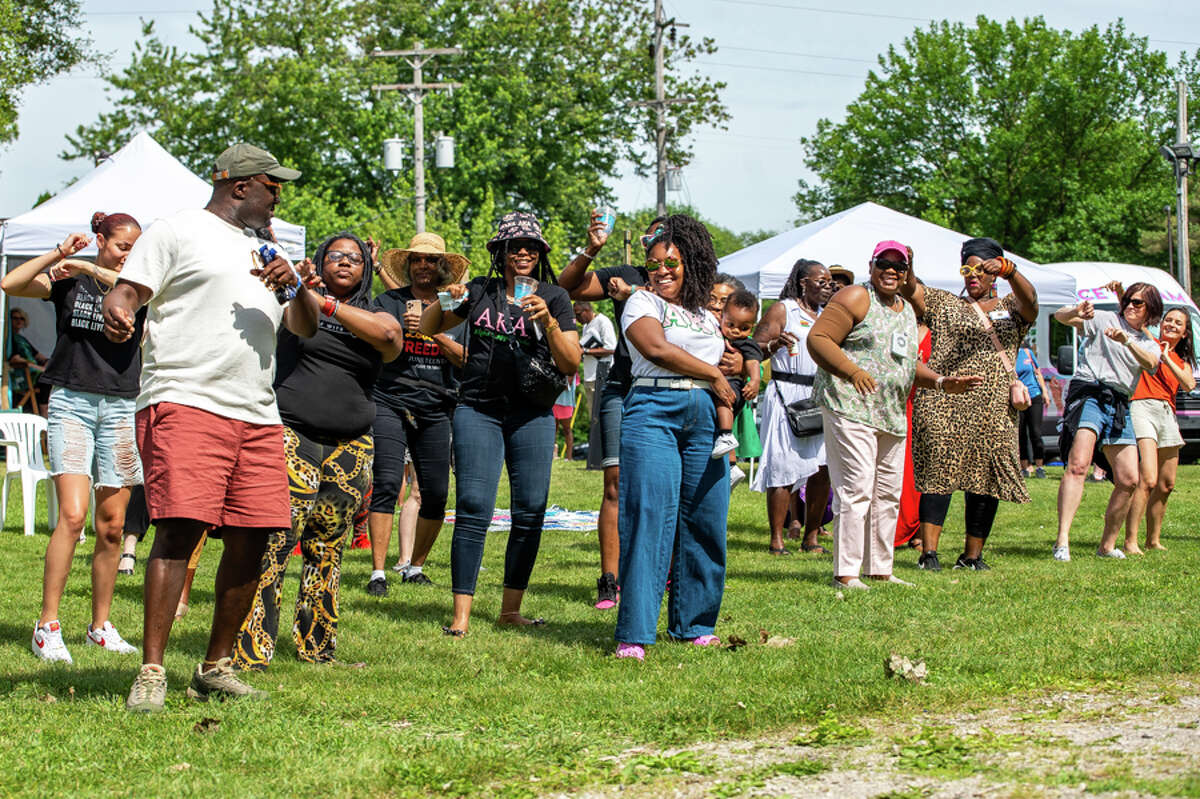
(284, 293)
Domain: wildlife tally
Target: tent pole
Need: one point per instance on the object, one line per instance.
(5, 404)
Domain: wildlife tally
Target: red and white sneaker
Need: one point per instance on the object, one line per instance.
(108, 638)
(48, 643)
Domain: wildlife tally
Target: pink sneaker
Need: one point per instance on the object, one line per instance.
(636, 651)
(706, 640)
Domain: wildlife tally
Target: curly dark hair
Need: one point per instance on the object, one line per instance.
(792, 290)
(695, 246)
(361, 297)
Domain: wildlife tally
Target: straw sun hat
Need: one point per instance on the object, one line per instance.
(395, 262)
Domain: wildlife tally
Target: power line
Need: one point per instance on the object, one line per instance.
(793, 53)
(780, 69)
(148, 13)
(822, 10)
(816, 10)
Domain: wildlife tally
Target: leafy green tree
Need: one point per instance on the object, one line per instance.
(546, 112)
(1045, 140)
(39, 39)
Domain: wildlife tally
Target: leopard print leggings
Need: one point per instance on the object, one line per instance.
(327, 484)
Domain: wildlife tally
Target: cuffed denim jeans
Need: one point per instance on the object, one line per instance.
(674, 504)
(522, 439)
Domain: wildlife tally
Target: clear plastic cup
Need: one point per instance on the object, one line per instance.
(446, 300)
(523, 287)
(608, 215)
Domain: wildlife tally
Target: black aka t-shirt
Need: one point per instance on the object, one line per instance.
(495, 326)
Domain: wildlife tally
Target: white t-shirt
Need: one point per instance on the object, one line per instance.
(599, 329)
(699, 334)
(211, 325)
(1104, 360)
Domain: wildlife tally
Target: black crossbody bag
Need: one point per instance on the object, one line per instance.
(803, 416)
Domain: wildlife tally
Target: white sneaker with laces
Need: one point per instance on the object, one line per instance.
(1062, 553)
(48, 642)
(736, 476)
(108, 638)
(725, 444)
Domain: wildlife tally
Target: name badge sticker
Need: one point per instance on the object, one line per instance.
(998, 316)
(900, 345)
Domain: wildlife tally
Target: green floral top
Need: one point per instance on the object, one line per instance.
(885, 345)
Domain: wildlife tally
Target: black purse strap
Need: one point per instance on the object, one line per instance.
(792, 377)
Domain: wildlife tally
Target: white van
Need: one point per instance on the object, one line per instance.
(1057, 356)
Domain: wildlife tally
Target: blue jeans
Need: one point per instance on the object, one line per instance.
(522, 439)
(674, 504)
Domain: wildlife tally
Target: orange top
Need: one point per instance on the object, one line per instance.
(1161, 385)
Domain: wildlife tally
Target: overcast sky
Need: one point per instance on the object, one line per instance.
(787, 64)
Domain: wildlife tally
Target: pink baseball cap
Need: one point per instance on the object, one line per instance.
(890, 246)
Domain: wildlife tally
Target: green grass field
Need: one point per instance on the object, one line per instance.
(408, 712)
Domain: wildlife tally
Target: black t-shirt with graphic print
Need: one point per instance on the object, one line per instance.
(495, 326)
(83, 359)
(421, 380)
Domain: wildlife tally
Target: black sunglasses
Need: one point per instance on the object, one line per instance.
(899, 267)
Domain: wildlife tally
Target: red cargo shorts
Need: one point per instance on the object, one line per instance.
(213, 469)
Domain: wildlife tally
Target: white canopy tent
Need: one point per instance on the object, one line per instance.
(847, 238)
(141, 179)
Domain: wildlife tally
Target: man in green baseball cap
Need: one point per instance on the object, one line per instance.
(244, 160)
(209, 358)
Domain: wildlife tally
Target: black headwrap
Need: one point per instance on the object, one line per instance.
(985, 248)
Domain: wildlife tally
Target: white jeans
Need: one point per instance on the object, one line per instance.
(866, 470)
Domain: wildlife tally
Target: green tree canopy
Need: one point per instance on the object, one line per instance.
(1043, 139)
(546, 112)
(39, 39)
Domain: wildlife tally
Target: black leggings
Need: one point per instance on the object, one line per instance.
(1030, 433)
(428, 438)
(979, 516)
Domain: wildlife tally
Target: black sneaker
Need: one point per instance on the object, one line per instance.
(377, 587)
(972, 564)
(418, 578)
(606, 591)
(929, 561)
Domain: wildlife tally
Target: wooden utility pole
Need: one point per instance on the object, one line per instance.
(1181, 190)
(415, 91)
(661, 101)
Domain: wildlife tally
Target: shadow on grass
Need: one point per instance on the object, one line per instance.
(59, 680)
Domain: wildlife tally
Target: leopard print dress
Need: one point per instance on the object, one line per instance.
(968, 442)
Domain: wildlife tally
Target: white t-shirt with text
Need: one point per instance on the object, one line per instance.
(697, 333)
(211, 326)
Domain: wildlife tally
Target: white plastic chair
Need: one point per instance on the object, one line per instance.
(22, 438)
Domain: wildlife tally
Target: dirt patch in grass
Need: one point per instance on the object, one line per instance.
(1116, 743)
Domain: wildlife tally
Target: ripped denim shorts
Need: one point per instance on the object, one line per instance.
(93, 434)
